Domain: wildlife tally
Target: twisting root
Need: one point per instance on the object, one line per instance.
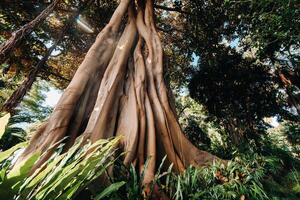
(139, 78)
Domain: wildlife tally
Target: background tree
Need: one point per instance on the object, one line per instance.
(40, 41)
(219, 32)
(239, 93)
(28, 115)
(18, 35)
(18, 94)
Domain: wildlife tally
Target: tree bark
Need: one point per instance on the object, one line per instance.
(13, 101)
(119, 90)
(20, 34)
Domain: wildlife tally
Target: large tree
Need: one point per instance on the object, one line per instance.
(239, 92)
(119, 89)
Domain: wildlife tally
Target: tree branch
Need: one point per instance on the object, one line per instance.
(57, 75)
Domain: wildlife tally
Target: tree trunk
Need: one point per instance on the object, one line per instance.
(292, 92)
(119, 90)
(20, 34)
(13, 101)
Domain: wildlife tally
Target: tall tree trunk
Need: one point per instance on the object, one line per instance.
(20, 34)
(119, 90)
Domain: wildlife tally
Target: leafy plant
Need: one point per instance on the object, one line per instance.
(134, 187)
(63, 176)
(30, 111)
(3, 123)
(235, 180)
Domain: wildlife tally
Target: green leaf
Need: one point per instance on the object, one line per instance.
(11, 183)
(3, 123)
(5, 154)
(110, 189)
(20, 171)
(37, 177)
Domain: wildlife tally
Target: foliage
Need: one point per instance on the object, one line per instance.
(29, 112)
(273, 26)
(62, 177)
(33, 106)
(75, 41)
(292, 130)
(239, 100)
(242, 178)
(233, 77)
(3, 123)
(7, 85)
(286, 136)
(230, 181)
(224, 54)
(134, 187)
(195, 121)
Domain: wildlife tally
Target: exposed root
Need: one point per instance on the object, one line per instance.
(119, 89)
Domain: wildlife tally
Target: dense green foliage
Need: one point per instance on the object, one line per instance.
(63, 177)
(224, 59)
(29, 114)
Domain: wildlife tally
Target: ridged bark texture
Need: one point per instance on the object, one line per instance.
(119, 90)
